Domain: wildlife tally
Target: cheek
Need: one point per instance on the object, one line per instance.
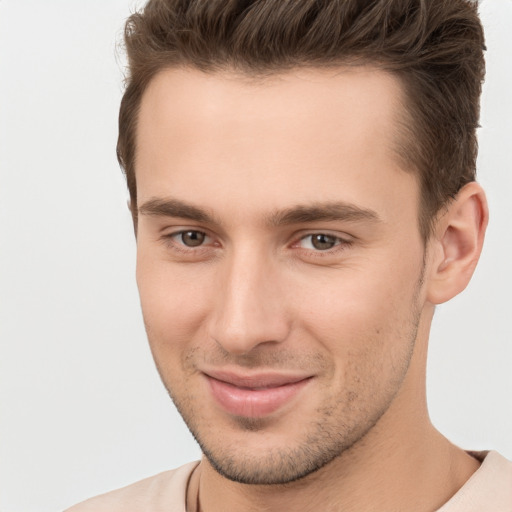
(174, 304)
(354, 307)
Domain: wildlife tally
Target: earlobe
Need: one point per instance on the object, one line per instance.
(457, 242)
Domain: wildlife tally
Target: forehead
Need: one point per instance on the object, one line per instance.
(304, 135)
(365, 98)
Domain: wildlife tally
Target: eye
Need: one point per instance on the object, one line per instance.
(191, 238)
(319, 242)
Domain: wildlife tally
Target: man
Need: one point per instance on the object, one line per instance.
(302, 189)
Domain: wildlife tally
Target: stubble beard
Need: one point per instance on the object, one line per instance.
(333, 430)
(337, 427)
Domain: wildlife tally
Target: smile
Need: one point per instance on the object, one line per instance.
(254, 396)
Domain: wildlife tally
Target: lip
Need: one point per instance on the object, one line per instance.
(254, 395)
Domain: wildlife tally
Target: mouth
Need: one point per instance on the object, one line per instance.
(254, 395)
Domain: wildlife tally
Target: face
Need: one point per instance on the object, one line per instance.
(279, 261)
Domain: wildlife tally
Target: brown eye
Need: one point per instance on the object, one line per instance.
(323, 242)
(192, 238)
(320, 242)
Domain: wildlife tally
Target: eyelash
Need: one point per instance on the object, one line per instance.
(170, 241)
(340, 243)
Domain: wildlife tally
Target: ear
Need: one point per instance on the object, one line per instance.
(456, 243)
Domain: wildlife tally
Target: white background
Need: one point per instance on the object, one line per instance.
(82, 408)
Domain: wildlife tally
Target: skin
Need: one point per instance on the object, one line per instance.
(253, 170)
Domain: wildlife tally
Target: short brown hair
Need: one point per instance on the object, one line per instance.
(435, 47)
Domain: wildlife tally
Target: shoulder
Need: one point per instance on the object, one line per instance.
(495, 476)
(154, 494)
(489, 489)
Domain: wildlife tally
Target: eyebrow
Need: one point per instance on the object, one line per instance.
(330, 211)
(299, 214)
(174, 208)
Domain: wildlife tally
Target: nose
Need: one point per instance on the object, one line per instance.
(250, 309)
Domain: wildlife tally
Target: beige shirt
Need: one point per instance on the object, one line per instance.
(488, 490)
